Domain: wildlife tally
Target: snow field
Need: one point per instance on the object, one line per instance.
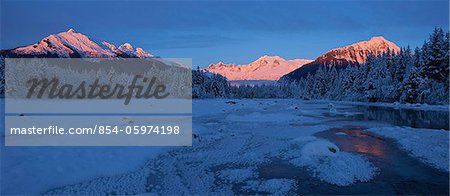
(233, 142)
(272, 186)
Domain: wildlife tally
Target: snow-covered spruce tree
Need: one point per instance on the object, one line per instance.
(299, 89)
(434, 53)
(435, 68)
(357, 77)
(218, 85)
(290, 89)
(208, 85)
(402, 63)
(351, 84)
(390, 65)
(446, 63)
(387, 82)
(309, 90)
(336, 85)
(198, 80)
(333, 74)
(372, 86)
(413, 87)
(321, 85)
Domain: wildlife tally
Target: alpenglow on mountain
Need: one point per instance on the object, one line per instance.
(75, 45)
(264, 68)
(354, 54)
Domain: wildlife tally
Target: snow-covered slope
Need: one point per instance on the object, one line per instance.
(264, 68)
(74, 44)
(357, 53)
(353, 54)
(141, 53)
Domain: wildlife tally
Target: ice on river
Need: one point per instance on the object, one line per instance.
(232, 143)
(428, 145)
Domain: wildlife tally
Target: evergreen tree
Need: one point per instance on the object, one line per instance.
(412, 89)
(309, 87)
(419, 77)
(434, 55)
(321, 83)
(372, 86)
(446, 62)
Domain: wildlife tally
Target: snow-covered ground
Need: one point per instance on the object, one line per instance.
(236, 148)
(36, 169)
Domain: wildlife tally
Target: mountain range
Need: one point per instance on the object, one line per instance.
(71, 44)
(275, 67)
(75, 45)
(264, 68)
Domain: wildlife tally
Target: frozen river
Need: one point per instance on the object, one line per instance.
(259, 147)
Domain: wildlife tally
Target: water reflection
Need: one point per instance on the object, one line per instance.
(399, 173)
(355, 139)
(405, 117)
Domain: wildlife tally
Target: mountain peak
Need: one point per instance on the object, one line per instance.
(219, 65)
(354, 54)
(265, 60)
(264, 68)
(73, 44)
(141, 53)
(357, 53)
(126, 47)
(267, 57)
(378, 38)
(382, 42)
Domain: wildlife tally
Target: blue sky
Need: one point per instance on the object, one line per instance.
(229, 31)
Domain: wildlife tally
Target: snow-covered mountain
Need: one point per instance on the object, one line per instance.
(354, 54)
(264, 68)
(74, 44)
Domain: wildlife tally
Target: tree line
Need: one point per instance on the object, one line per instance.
(406, 76)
